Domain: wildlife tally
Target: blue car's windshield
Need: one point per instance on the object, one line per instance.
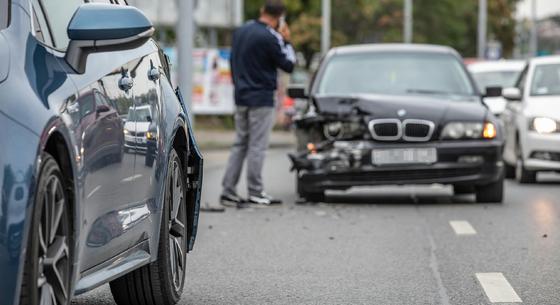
(395, 74)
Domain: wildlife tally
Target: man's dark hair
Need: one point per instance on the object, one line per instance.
(275, 8)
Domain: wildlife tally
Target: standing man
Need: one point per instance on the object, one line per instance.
(260, 48)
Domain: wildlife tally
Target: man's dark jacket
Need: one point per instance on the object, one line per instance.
(258, 51)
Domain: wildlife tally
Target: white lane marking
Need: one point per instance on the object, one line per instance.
(497, 288)
(462, 227)
(97, 188)
(131, 178)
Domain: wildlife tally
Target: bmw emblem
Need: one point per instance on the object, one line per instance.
(401, 112)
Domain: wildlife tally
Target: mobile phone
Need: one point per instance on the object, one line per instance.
(282, 22)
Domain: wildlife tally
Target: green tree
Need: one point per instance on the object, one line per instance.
(445, 22)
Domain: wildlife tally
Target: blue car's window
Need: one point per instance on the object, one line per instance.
(4, 14)
(59, 13)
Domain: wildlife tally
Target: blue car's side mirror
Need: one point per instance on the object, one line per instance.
(104, 28)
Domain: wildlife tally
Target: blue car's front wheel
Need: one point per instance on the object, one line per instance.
(47, 271)
(162, 282)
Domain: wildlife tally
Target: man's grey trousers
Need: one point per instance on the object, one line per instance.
(252, 126)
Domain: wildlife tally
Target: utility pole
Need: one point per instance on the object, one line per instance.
(185, 46)
(408, 21)
(482, 27)
(534, 40)
(326, 28)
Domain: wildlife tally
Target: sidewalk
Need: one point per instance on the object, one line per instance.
(223, 139)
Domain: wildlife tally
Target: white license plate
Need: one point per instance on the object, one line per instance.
(404, 156)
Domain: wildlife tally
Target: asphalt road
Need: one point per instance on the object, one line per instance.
(385, 245)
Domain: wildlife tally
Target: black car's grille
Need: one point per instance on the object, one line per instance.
(417, 130)
(387, 129)
(395, 130)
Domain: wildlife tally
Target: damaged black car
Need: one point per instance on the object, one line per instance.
(396, 114)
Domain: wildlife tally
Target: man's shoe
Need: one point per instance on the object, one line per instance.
(263, 200)
(232, 201)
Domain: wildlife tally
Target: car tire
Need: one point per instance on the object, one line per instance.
(463, 189)
(317, 196)
(509, 171)
(162, 282)
(47, 272)
(523, 175)
(490, 193)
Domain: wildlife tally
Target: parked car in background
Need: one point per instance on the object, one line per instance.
(532, 121)
(496, 75)
(396, 114)
(77, 212)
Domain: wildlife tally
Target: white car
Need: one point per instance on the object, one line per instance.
(495, 75)
(136, 128)
(532, 121)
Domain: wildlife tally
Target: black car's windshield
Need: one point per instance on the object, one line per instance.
(504, 79)
(546, 80)
(395, 74)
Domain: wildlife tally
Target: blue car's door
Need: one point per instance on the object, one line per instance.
(106, 167)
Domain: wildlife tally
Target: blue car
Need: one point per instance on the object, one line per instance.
(77, 208)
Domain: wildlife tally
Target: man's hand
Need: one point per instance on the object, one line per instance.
(285, 32)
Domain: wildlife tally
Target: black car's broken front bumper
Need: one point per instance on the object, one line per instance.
(459, 163)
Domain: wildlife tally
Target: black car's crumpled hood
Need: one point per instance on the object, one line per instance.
(438, 109)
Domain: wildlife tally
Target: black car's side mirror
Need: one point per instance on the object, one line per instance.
(297, 92)
(512, 94)
(493, 92)
(102, 28)
(149, 119)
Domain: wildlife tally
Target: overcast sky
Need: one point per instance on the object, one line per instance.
(545, 8)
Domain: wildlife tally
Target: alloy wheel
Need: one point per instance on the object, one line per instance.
(53, 272)
(177, 221)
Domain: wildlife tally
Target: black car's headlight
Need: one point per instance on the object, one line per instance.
(469, 130)
(544, 125)
(342, 130)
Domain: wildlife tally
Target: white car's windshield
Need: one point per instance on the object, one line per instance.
(395, 74)
(504, 79)
(546, 80)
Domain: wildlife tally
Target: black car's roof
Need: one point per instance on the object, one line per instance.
(393, 47)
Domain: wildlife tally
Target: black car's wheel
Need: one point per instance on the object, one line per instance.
(509, 171)
(463, 189)
(308, 196)
(491, 193)
(48, 266)
(523, 175)
(162, 282)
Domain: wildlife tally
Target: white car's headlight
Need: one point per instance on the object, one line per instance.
(544, 125)
(469, 130)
